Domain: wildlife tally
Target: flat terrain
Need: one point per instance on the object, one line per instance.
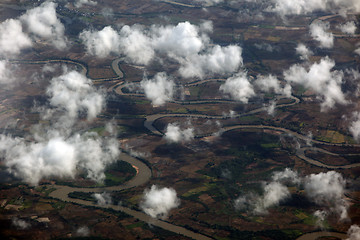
(235, 149)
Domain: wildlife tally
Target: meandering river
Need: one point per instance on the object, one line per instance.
(144, 172)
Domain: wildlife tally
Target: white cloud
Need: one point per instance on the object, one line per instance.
(320, 217)
(103, 199)
(173, 133)
(353, 232)
(6, 76)
(327, 189)
(274, 193)
(185, 43)
(319, 31)
(108, 13)
(209, 2)
(206, 26)
(80, 3)
(355, 126)
(309, 139)
(270, 82)
(20, 224)
(181, 40)
(39, 23)
(136, 45)
(12, 37)
(265, 46)
(286, 176)
(58, 156)
(74, 93)
(357, 51)
(95, 153)
(43, 22)
(216, 60)
(159, 90)
(320, 78)
(53, 150)
(231, 114)
(83, 231)
(34, 161)
(348, 28)
(303, 51)
(270, 108)
(285, 7)
(101, 43)
(238, 87)
(157, 202)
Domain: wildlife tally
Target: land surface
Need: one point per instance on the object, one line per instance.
(209, 172)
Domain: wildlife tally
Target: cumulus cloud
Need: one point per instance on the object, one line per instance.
(355, 126)
(39, 23)
(320, 78)
(353, 232)
(42, 22)
(327, 189)
(274, 193)
(206, 26)
(159, 90)
(6, 77)
(174, 134)
(83, 231)
(216, 60)
(238, 87)
(74, 94)
(324, 189)
(271, 83)
(285, 7)
(181, 40)
(131, 41)
(270, 108)
(34, 161)
(348, 27)
(319, 31)
(103, 199)
(101, 43)
(53, 149)
(357, 51)
(265, 46)
(308, 141)
(185, 43)
(20, 223)
(80, 3)
(320, 217)
(303, 51)
(58, 156)
(209, 2)
(189, 45)
(157, 202)
(12, 37)
(136, 45)
(286, 176)
(230, 114)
